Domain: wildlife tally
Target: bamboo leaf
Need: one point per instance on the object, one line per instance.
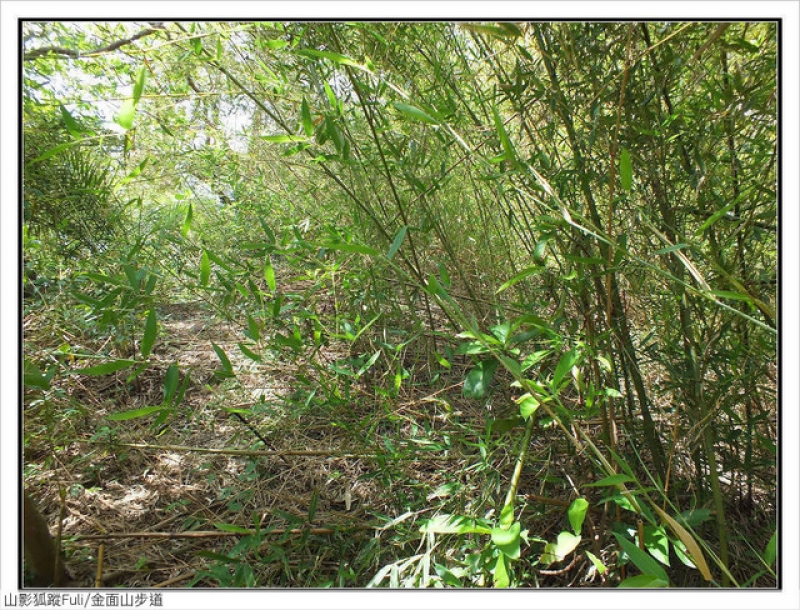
(126, 114)
(281, 139)
(187, 221)
(150, 332)
(54, 151)
(136, 413)
(525, 273)
(565, 365)
(71, 124)
(269, 274)
(642, 560)
(223, 358)
(305, 119)
(233, 529)
(672, 248)
(171, 382)
(770, 553)
(728, 294)
(337, 58)
(135, 173)
(398, 241)
(253, 329)
(205, 268)
(415, 113)
(355, 248)
(643, 581)
(625, 170)
(508, 147)
(249, 353)
(614, 479)
(138, 86)
(717, 215)
(689, 541)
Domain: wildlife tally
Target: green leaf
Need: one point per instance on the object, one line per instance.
(452, 524)
(223, 358)
(577, 513)
(125, 117)
(305, 118)
(187, 221)
(205, 268)
(625, 170)
(138, 86)
(508, 147)
(284, 138)
(657, 543)
(643, 581)
(355, 248)
(253, 328)
(527, 405)
(398, 241)
(34, 377)
(54, 151)
(527, 272)
(614, 479)
(334, 103)
(478, 379)
(197, 45)
(511, 365)
(641, 559)
(734, 296)
(415, 113)
(500, 575)
(105, 368)
(693, 517)
(507, 516)
(171, 379)
(368, 364)
(501, 30)
(717, 215)
(565, 543)
(136, 413)
(249, 353)
(601, 567)
(508, 540)
(585, 260)
(135, 173)
(150, 332)
(770, 553)
(689, 542)
(565, 365)
(71, 124)
(233, 529)
(442, 360)
(336, 58)
(269, 274)
(671, 248)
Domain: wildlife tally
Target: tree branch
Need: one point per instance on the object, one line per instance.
(30, 55)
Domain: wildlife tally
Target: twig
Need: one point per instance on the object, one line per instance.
(562, 570)
(267, 453)
(216, 534)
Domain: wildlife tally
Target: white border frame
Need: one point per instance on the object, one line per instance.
(788, 10)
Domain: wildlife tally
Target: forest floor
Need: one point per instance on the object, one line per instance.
(256, 479)
(240, 453)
